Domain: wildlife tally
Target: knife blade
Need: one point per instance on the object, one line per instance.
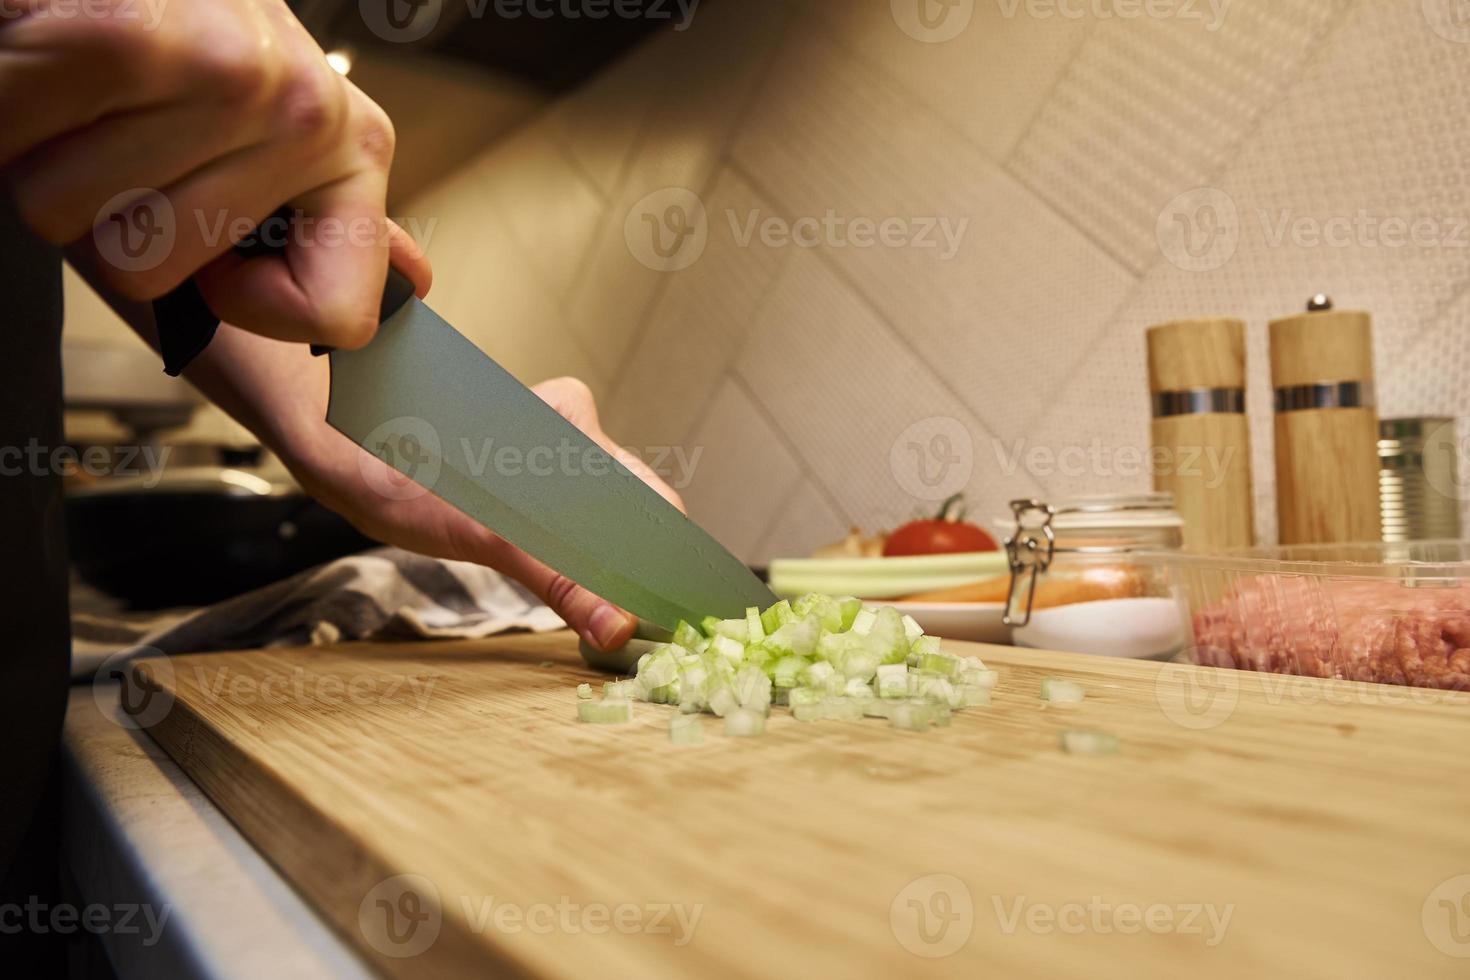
(429, 403)
(425, 400)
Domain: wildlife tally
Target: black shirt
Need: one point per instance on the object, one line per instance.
(35, 641)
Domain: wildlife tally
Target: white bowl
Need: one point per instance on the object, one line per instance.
(977, 622)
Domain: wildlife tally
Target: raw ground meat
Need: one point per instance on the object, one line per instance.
(1361, 630)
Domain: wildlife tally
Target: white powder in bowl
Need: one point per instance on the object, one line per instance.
(1142, 628)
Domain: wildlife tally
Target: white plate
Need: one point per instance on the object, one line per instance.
(979, 622)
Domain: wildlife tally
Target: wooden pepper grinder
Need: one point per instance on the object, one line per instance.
(1201, 435)
(1326, 426)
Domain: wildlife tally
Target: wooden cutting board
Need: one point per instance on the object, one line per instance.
(440, 805)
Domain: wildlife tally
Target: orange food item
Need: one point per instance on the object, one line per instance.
(1095, 584)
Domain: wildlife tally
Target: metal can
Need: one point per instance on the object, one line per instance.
(1413, 466)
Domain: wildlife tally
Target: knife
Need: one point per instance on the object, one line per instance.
(429, 403)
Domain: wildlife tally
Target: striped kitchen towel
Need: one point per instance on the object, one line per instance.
(384, 594)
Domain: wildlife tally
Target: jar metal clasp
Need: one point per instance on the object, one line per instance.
(1030, 550)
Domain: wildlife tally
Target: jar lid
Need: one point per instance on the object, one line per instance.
(1142, 511)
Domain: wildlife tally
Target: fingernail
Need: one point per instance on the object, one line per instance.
(606, 626)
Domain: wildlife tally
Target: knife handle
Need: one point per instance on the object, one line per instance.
(186, 324)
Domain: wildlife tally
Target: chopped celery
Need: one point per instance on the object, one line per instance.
(979, 677)
(807, 712)
(893, 681)
(686, 730)
(936, 689)
(970, 696)
(796, 638)
(804, 696)
(723, 700)
(910, 717)
(605, 712)
(1059, 691)
(787, 669)
(730, 650)
(1089, 743)
(755, 630)
(825, 658)
(817, 674)
(660, 668)
(938, 663)
(686, 636)
(841, 709)
(753, 688)
(745, 723)
(777, 616)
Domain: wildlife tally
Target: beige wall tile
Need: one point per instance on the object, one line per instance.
(487, 287)
(1151, 108)
(698, 325)
(707, 75)
(1353, 139)
(988, 80)
(599, 124)
(1031, 335)
(805, 521)
(550, 208)
(743, 475)
(833, 138)
(848, 394)
(445, 113)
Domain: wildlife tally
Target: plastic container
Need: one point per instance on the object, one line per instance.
(1082, 581)
(1392, 613)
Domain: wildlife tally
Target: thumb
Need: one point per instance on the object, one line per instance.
(596, 620)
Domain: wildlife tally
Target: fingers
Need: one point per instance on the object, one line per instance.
(188, 136)
(327, 285)
(44, 92)
(61, 185)
(63, 70)
(431, 526)
(596, 620)
(405, 255)
(573, 400)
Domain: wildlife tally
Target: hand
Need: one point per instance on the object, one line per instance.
(280, 392)
(121, 129)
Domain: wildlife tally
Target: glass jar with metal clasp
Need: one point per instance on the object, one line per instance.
(1082, 580)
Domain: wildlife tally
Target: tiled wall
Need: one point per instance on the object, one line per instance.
(833, 382)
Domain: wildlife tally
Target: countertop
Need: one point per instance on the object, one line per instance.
(191, 898)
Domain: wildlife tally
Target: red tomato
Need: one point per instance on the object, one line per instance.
(937, 537)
